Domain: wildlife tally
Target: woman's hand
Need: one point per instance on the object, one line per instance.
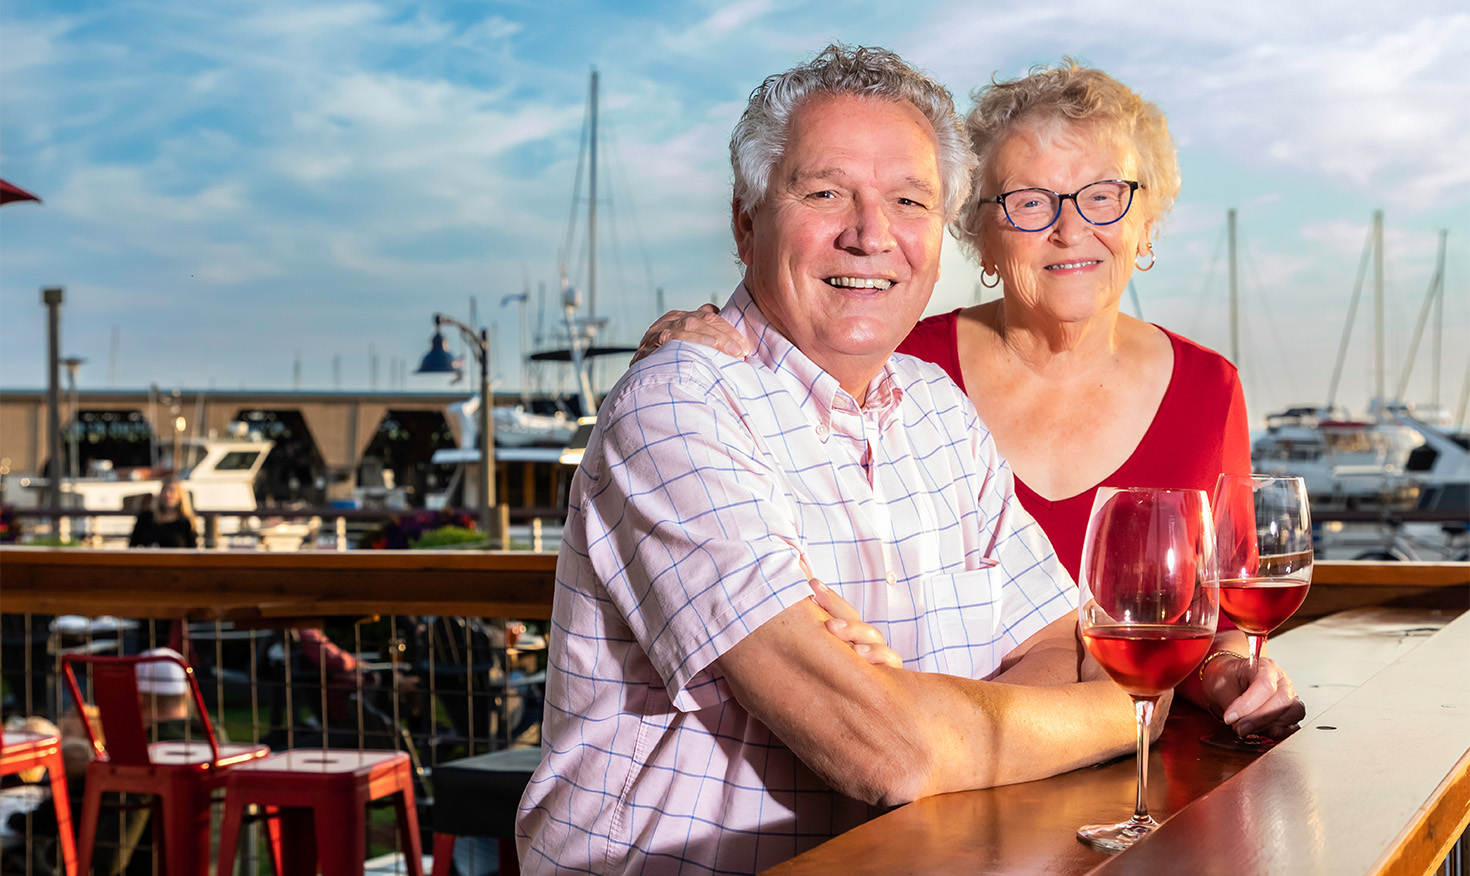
(1259, 701)
(702, 326)
(847, 625)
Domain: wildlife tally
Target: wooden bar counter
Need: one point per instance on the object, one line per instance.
(1377, 781)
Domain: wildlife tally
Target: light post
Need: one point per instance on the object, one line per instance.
(51, 297)
(175, 405)
(72, 364)
(440, 361)
(179, 426)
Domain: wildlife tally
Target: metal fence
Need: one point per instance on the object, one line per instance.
(436, 687)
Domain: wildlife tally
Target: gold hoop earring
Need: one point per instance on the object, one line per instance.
(991, 285)
(1151, 258)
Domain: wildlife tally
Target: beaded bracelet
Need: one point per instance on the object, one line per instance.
(1206, 661)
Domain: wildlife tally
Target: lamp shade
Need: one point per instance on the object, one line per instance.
(438, 360)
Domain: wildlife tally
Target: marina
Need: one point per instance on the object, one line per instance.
(339, 651)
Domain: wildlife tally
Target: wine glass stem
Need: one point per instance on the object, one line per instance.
(1143, 709)
(1256, 643)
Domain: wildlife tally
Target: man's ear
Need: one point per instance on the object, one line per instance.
(742, 222)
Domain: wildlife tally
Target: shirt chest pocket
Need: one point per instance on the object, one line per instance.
(960, 627)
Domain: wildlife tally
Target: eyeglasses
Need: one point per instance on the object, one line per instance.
(1101, 203)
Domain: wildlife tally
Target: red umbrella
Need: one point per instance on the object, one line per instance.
(10, 193)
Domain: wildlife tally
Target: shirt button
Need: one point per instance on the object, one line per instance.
(892, 579)
(822, 431)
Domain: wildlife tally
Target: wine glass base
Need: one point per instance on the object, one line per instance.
(1227, 739)
(1116, 837)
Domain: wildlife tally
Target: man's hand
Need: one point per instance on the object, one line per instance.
(702, 326)
(1259, 701)
(847, 625)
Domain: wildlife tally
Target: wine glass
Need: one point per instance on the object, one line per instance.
(1263, 539)
(1149, 604)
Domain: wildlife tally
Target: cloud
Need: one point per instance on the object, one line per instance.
(728, 20)
(1363, 108)
(1356, 96)
(720, 25)
(229, 184)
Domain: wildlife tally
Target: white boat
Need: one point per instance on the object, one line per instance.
(1375, 462)
(1438, 476)
(218, 473)
(514, 426)
(1441, 468)
(518, 427)
(1347, 463)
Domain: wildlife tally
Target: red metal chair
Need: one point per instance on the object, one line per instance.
(318, 801)
(180, 776)
(22, 751)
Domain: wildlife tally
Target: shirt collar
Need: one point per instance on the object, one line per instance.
(775, 352)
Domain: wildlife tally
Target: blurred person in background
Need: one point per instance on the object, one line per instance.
(169, 522)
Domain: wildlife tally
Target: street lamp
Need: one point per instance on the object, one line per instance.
(72, 364)
(179, 426)
(51, 297)
(440, 361)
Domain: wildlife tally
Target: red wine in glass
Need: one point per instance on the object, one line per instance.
(1148, 608)
(1260, 605)
(1263, 537)
(1149, 659)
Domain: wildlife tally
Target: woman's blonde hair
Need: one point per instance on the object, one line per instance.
(186, 505)
(1070, 95)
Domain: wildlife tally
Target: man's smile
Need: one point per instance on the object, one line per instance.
(858, 283)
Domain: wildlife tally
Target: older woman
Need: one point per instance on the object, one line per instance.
(1075, 174)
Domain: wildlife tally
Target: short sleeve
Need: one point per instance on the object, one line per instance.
(690, 534)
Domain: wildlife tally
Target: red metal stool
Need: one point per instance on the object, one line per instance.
(320, 797)
(181, 776)
(26, 751)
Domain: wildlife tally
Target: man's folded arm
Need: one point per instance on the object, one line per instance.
(888, 736)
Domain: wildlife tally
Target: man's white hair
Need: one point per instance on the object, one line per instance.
(759, 139)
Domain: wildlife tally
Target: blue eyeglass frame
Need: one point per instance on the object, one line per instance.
(1133, 187)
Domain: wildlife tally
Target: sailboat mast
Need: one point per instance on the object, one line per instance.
(1434, 363)
(1234, 299)
(592, 202)
(1378, 306)
(1347, 328)
(1431, 299)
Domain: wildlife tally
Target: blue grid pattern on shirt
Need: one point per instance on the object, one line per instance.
(705, 480)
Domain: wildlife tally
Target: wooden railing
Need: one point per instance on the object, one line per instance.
(246, 586)
(258, 586)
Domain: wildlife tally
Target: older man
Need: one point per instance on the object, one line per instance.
(703, 714)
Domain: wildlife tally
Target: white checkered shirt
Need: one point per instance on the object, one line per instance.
(707, 478)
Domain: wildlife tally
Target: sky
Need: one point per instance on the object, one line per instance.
(273, 194)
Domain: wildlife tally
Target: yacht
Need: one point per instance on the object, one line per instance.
(1346, 462)
(217, 472)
